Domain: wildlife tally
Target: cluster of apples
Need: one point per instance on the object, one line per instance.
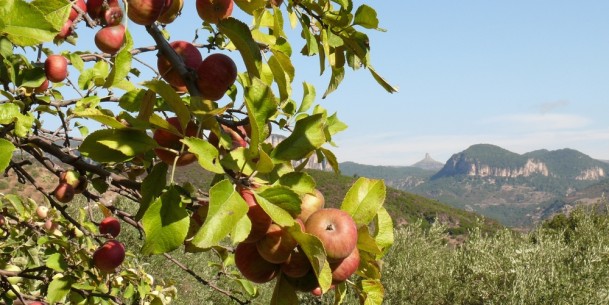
(168, 140)
(70, 184)
(111, 254)
(270, 249)
(215, 74)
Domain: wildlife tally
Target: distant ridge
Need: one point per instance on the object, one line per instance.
(429, 163)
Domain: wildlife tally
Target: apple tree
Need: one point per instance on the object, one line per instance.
(105, 123)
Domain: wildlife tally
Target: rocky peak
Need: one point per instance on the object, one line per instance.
(428, 163)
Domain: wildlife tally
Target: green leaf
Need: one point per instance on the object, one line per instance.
(264, 165)
(120, 68)
(116, 145)
(299, 182)
(314, 249)
(57, 262)
(284, 72)
(32, 78)
(340, 293)
(98, 115)
(27, 24)
(261, 106)
(249, 6)
(152, 186)
(365, 242)
(8, 113)
(283, 197)
(6, 153)
(379, 79)
(284, 293)
(239, 160)
(277, 214)
(207, 154)
(338, 74)
(15, 201)
(373, 292)
(364, 199)
(366, 17)
(307, 136)
(308, 97)
(59, 289)
(76, 61)
(172, 99)
(240, 35)
(226, 208)
(384, 230)
(131, 100)
(165, 223)
(331, 158)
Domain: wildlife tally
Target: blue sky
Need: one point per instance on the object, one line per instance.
(524, 75)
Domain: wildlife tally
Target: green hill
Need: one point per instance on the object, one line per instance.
(404, 207)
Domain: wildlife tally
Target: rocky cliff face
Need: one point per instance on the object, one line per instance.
(530, 167)
(312, 163)
(595, 173)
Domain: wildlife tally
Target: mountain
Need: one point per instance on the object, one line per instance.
(429, 164)
(400, 177)
(594, 194)
(516, 189)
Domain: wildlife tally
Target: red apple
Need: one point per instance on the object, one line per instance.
(145, 12)
(110, 39)
(252, 266)
(272, 3)
(336, 230)
(169, 140)
(213, 11)
(261, 221)
(190, 55)
(73, 13)
(113, 16)
(317, 291)
(310, 204)
(2, 220)
(216, 74)
(64, 192)
(237, 138)
(36, 303)
(297, 265)
(276, 245)
(109, 256)
(65, 31)
(343, 269)
(43, 87)
(110, 225)
(171, 12)
(96, 8)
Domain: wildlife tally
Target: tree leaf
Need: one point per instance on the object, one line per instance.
(307, 136)
(165, 223)
(57, 262)
(8, 113)
(170, 97)
(152, 186)
(6, 153)
(27, 24)
(284, 293)
(308, 97)
(314, 249)
(364, 199)
(116, 145)
(226, 208)
(261, 106)
(279, 215)
(373, 292)
(240, 35)
(59, 289)
(379, 79)
(97, 115)
(120, 68)
(338, 74)
(299, 182)
(366, 17)
(384, 230)
(283, 197)
(207, 154)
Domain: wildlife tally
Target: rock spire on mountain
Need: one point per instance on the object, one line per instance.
(429, 163)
